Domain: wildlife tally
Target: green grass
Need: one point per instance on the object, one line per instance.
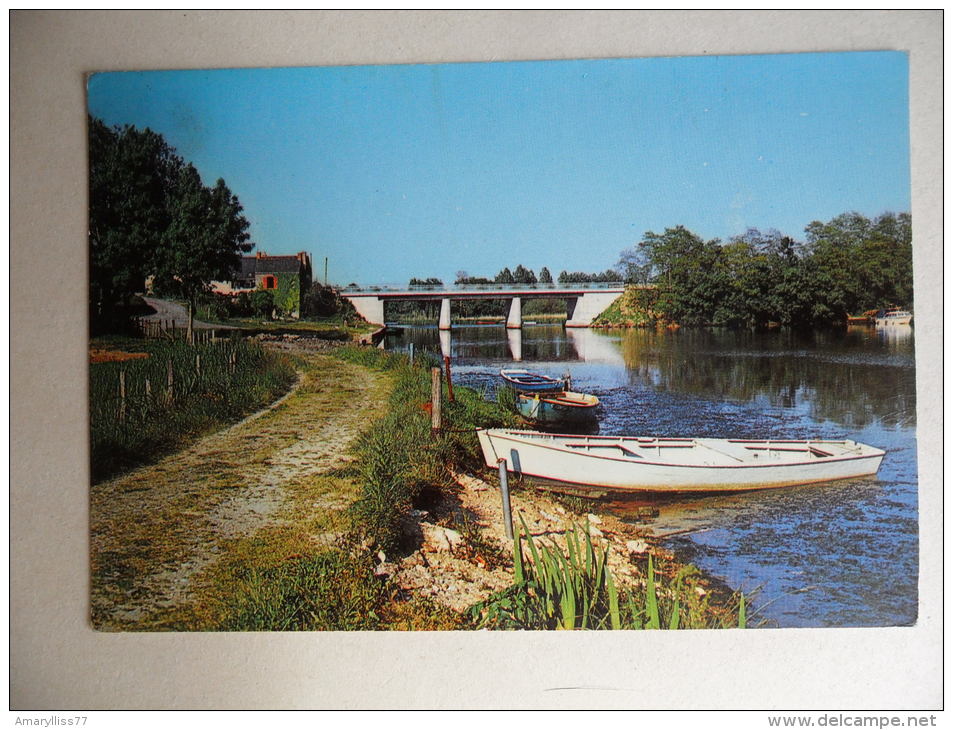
(330, 590)
(232, 378)
(399, 458)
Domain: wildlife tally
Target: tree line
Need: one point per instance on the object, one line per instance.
(845, 266)
(151, 215)
(523, 275)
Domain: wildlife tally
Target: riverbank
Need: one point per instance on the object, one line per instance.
(268, 524)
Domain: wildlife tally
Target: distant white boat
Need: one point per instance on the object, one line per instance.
(633, 463)
(893, 316)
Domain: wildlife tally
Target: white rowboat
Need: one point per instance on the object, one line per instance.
(637, 464)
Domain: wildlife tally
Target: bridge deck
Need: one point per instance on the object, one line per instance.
(495, 293)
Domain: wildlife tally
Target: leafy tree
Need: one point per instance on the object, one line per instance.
(321, 300)
(262, 303)
(505, 277)
(634, 266)
(522, 275)
(544, 276)
(151, 214)
(684, 267)
(129, 176)
(204, 240)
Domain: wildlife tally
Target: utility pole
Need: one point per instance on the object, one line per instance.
(325, 270)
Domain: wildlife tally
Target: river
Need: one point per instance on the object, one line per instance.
(839, 554)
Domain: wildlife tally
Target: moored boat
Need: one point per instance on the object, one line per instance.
(560, 407)
(527, 382)
(892, 316)
(650, 464)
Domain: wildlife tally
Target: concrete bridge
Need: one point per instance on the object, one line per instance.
(584, 302)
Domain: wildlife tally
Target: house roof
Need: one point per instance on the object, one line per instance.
(277, 265)
(252, 265)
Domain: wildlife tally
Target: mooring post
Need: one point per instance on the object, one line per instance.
(436, 392)
(446, 362)
(505, 492)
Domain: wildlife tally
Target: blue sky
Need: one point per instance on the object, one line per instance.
(426, 170)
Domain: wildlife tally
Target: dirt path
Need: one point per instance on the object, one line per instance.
(153, 529)
(167, 311)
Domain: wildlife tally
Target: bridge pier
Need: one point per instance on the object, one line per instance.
(515, 319)
(587, 306)
(370, 308)
(444, 314)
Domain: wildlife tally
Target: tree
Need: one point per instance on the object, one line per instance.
(204, 240)
(262, 303)
(429, 281)
(684, 267)
(634, 265)
(544, 276)
(505, 277)
(150, 214)
(129, 177)
(522, 275)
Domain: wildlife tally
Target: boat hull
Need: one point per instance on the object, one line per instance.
(633, 464)
(526, 382)
(561, 408)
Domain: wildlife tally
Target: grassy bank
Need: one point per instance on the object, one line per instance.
(633, 309)
(399, 461)
(144, 407)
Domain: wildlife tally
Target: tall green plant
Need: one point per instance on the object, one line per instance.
(573, 588)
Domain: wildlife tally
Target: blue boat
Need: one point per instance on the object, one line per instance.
(527, 382)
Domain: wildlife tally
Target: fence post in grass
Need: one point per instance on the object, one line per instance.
(198, 365)
(411, 354)
(148, 392)
(436, 393)
(122, 396)
(505, 493)
(169, 383)
(446, 362)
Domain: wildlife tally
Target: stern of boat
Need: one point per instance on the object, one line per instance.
(489, 453)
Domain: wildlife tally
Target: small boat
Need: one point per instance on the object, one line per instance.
(649, 464)
(892, 316)
(560, 407)
(527, 382)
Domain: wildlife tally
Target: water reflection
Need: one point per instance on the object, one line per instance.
(514, 338)
(853, 377)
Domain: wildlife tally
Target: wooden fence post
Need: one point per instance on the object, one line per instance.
(198, 365)
(436, 393)
(169, 387)
(446, 362)
(122, 396)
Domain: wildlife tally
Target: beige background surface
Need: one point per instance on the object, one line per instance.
(58, 661)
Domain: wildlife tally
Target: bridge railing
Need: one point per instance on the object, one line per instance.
(553, 286)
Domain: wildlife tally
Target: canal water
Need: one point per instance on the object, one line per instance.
(840, 554)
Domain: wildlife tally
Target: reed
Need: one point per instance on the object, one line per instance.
(571, 587)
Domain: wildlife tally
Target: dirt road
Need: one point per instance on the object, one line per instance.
(154, 529)
(167, 311)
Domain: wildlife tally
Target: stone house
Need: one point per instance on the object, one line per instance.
(288, 278)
